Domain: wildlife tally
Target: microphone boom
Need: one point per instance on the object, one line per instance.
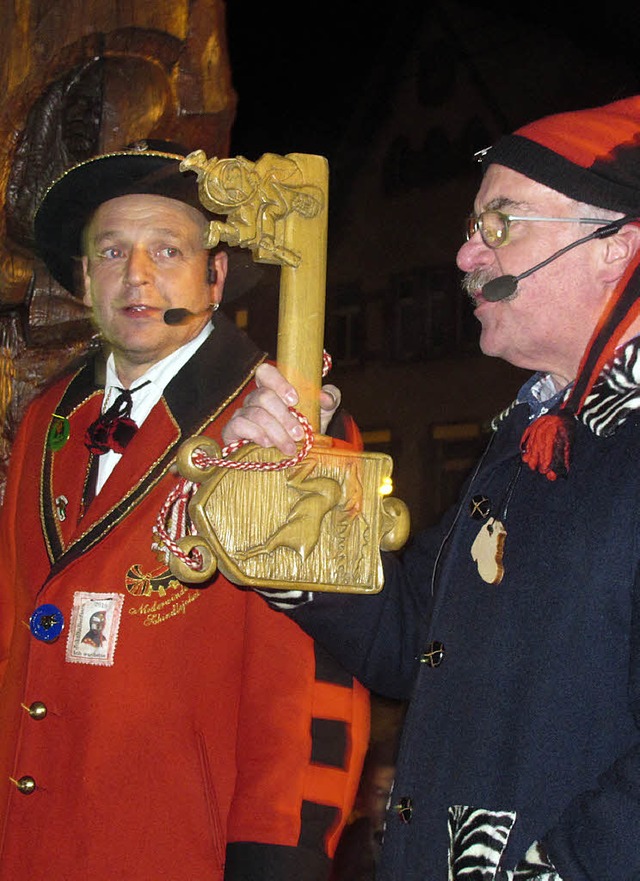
(506, 285)
(179, 315)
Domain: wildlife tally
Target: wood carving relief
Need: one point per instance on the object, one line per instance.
(80, 79)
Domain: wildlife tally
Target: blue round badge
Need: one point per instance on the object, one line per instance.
(46, 623)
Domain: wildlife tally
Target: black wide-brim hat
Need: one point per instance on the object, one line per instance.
(149, 168)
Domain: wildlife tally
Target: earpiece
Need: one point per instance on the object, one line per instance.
(212, 272)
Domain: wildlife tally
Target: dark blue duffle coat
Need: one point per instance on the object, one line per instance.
(532, 716)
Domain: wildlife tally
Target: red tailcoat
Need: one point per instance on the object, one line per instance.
(204, 728)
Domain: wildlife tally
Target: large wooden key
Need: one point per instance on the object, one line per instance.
(319, 524)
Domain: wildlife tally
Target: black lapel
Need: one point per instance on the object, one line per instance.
(81, 386)
(207, 383)
(213, 377)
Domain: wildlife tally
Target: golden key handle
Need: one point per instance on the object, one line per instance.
(321, 524)
(278, 208)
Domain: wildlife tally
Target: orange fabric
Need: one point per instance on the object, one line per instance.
(583, 136)
(546, 444)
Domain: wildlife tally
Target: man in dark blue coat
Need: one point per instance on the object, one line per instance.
(514, 627)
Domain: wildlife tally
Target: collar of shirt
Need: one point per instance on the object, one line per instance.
(539, 391)
(144, 400)
(540, 394)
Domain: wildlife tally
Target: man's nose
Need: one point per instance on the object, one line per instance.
(474, 254)
(139, 267)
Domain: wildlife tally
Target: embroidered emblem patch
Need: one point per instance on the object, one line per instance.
(168, 597)
(93, 630)
(146, 584)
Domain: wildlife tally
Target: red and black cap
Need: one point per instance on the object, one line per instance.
(591, 155)
(147, 167)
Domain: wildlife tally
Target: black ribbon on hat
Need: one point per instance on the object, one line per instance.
(114, 429)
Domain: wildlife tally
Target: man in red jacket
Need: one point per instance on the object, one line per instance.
(203, 736)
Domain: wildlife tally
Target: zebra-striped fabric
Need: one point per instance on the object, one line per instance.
(285, 600)
(614, 397)
(477, 839)
(535, 866)
(616, 394)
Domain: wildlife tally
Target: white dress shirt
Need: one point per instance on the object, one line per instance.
(155, 380)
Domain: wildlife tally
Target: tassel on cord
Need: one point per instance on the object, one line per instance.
(546, 443)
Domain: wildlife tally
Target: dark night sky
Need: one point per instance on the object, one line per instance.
(300, 69)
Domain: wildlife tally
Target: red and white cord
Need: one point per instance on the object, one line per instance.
(173, 518)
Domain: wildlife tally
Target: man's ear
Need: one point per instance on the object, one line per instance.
(217, 267)
(619, 250)
(85, 282)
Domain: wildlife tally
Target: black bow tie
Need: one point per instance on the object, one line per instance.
(114, 428)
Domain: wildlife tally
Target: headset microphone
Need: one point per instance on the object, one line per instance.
(180, 315)
(505, 285)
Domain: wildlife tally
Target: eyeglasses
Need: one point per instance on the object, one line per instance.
(493, 226)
